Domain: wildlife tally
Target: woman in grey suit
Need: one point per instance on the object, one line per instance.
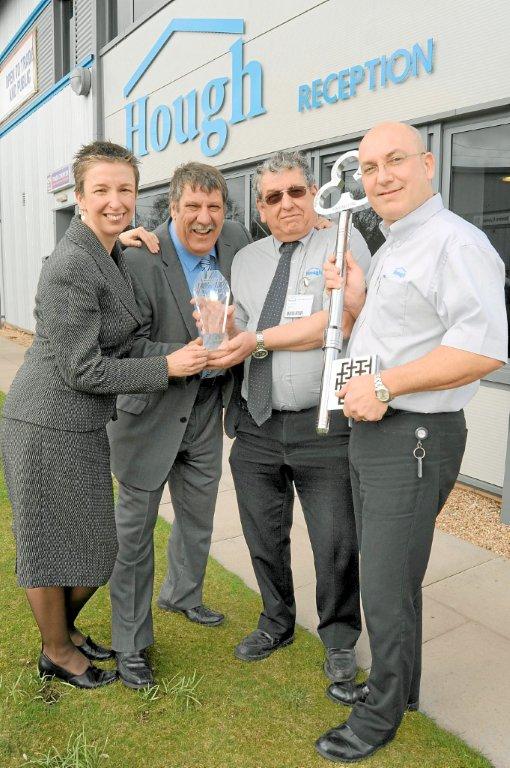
(55, 446)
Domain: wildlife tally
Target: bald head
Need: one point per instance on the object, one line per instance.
(397, 170)
(402, 132)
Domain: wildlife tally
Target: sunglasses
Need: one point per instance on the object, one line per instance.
(276, 197)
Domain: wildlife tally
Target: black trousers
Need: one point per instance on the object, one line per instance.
(267, 463)
(395, 514)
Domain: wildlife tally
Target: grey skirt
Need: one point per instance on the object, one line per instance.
(61, 493)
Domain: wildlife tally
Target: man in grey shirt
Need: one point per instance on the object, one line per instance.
(277, 449)
(435, 314)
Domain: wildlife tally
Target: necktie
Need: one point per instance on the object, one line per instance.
(261, 371)
(205, 262)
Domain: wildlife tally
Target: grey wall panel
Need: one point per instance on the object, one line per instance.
(45, 49)
(83, 29)
(12, 15)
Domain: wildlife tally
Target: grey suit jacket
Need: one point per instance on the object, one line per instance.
(86, 316)
(148, 432)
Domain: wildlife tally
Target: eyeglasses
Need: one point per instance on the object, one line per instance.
(276, 197)
(393, 162)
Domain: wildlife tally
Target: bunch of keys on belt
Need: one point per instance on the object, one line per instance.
(421, 433)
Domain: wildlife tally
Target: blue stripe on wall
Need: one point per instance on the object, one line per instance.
(39, 8)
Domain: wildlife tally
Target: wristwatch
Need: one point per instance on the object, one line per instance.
(260, 351)
(382, 392)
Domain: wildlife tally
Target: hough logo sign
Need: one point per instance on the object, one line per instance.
(195, 113)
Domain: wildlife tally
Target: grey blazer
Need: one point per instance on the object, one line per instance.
(86, 316)
(148, 432)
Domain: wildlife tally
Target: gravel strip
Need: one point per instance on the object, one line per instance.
(24, 338)
(476, 518)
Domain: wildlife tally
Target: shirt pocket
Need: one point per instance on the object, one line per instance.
(390, 307)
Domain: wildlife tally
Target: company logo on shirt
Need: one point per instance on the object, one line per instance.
(399, 272)
(195, 114)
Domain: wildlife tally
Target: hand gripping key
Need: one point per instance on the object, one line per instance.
(333, 336)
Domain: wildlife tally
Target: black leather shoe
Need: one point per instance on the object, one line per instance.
(199, 615)
(341, 745)
(91, 678)
(350, 693)
(95, 652)
(347, 693)
(134, 669)
(340, 664)
(260, 645)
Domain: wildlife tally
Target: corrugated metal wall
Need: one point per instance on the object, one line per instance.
(45, 50)
(12, 16)
(83, 17)
(39, 144)
(43, 142)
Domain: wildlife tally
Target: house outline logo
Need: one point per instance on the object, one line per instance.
(153, 128)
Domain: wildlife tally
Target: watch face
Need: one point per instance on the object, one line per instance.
(259, 354)
(383, 395)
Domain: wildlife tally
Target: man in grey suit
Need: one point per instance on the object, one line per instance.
(175, 436)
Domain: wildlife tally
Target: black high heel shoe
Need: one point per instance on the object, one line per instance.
(91, 678)
(95, 652)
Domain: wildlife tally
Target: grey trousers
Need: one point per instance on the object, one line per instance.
(395, 513)
(193, 482)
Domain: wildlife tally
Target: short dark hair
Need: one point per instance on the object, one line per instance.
(100, 152)
(196, 175)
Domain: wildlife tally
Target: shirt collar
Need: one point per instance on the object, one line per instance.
(188, 259)
(400, 229)
(303, 240)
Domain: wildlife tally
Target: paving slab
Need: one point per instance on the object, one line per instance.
(451, 555)
(233, 554)
(481, 593)
(466, 688)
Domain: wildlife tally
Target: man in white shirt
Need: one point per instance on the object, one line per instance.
(434, 313)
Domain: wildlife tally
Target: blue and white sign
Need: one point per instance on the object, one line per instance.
(18, 76)
(196, 113)
(379, 72)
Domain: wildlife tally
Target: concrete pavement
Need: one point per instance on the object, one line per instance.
(466, 649)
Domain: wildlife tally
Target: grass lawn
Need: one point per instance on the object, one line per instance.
(209, 710)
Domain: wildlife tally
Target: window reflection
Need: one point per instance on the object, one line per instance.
(480, 186)
(151, 209)
(235, 203)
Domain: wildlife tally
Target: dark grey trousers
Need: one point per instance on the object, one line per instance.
(193, 482)
(267, 463)
(395, 515)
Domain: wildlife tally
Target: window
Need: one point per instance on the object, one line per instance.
(64, 37)
(479, 188)
(241, 205)
(120, 14)
(152, 208)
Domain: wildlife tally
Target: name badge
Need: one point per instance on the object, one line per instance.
(298, 305)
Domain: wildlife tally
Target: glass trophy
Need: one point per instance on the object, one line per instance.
(212, 295)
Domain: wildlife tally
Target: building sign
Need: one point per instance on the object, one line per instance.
(60, 179)
(208, 114)
(195, 114)
(375, 73)
(18, 76)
